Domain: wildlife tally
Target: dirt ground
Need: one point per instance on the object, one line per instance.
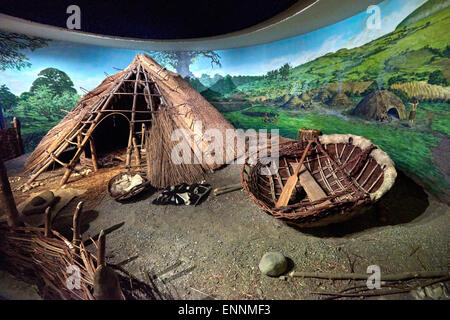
(212, 251)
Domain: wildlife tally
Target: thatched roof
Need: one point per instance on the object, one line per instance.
(186, 107)
(377, 105)
(323, 95)
(293, 102)
(340, 99)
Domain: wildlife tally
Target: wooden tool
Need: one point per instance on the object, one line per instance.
(286, 193)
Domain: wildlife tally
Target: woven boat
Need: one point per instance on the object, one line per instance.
(342, 175)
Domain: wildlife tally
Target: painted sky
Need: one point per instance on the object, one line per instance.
(86, 65)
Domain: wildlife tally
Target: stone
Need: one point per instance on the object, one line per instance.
(273, 264)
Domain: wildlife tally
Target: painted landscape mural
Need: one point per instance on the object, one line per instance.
(383, 74)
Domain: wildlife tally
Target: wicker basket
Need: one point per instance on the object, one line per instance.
(126, 195)
(352, 172)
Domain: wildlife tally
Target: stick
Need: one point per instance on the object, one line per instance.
(76, 240)
(226, 189)
(106, 231)
(7, 199)
(375, 293)
(136, 151)
(364, 276)
(93, 155)
(101, 250)
(286, 193)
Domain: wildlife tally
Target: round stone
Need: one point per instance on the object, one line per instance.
(273, 264)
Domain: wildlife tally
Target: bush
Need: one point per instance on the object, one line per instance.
(437, 77)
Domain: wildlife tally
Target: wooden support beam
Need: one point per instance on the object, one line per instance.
(136, 151)
(7, 203)
(143, 137)
(147, 154)
(93, 154)
(133, 114)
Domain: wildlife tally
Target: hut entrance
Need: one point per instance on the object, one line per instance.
(393, 113)
(111, 134)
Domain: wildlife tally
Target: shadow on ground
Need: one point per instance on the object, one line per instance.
(402, 204)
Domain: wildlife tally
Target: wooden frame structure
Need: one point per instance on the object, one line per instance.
(138, 93)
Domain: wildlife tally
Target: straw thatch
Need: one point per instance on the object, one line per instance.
(340, 99)
(379, 104)
(137, 93)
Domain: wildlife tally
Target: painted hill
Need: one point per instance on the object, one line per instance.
(408, 54)
(224, 85)
(197, 85)
(428, 8)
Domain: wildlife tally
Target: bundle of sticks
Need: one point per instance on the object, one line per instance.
(63, 269)
(48, 262)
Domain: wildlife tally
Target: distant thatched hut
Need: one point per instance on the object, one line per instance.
(323, 96)
(379, 105)
(340, 99)
(294, 102)
(305, 97)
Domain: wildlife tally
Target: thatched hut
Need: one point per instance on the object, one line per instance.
(323, 96)
(380, 105)
(122, 111)
(305, 97)
(340, 99)
(294, 103)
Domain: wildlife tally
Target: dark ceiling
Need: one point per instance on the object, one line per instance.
(151, 19)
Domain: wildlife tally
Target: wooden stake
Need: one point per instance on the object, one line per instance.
(48, 222)
(101, 255)
(8, 205)
(143, 136)
(93, 155)
(136, 151)
(106, 281)
(76, 240)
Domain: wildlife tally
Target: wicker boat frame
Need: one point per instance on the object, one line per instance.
(352, 172)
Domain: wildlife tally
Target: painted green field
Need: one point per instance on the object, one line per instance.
(409, 148)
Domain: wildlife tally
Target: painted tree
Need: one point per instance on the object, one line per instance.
(284, 71)
(54, 79)
(182, 60)
(44, 105)
(8, 100)
(12, 46)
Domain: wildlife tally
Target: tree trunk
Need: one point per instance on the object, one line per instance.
(183, 63)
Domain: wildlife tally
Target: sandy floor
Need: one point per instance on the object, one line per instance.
(213, 250)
